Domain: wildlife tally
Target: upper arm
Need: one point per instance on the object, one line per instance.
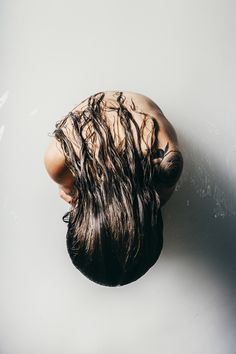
(168, 173)
(171, 167)
(54, 161)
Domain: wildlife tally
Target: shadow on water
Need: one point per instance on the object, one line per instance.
(200, 218)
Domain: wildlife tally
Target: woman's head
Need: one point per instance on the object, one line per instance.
(115, 229)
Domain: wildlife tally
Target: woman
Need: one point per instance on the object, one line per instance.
(116, 160)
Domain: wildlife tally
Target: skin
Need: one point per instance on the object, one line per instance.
(54, 159)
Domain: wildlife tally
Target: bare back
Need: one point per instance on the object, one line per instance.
(141, 108)
(143, 111)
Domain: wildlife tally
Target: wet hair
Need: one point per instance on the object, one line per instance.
(115, 227)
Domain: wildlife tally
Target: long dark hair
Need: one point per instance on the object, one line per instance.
(115, 228)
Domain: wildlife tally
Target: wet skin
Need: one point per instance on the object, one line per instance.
(54, 159)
